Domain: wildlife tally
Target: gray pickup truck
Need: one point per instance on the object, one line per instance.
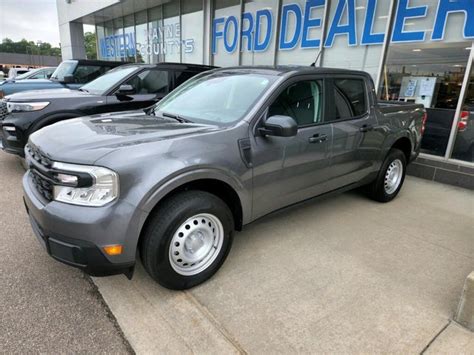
(227, 147)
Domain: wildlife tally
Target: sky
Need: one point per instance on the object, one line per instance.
(34, 20)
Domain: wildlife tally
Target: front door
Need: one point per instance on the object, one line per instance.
(289, 170)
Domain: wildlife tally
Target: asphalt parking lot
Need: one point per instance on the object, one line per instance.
(343, 274)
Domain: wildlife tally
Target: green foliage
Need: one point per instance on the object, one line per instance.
(90, 42)
(28, 47)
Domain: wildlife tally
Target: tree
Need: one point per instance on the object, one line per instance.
(28, 47)
(90, 42)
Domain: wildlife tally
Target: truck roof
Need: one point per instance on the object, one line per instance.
(284, 70)
(170, 65)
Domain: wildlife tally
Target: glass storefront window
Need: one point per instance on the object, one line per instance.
(141, 37)
(226, 22)
(109, 50)
(296, 47)
(155, 34)
(129, 38)
(119, 44)
(464, 140)
(363, 50)
(258, 34)
(192, 31)
(100, 33)
(172, 32)
(431, 74)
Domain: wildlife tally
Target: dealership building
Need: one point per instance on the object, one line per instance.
(415, 50)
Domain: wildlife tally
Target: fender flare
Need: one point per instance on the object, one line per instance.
(151, 200)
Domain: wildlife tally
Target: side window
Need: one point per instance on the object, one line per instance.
(350, 98)
(49, 73)
(40, 75)
(182, 76)
(302, 101)
(150, 82)
(86, 73)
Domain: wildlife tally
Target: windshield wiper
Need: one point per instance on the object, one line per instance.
(176, 117)
(84, 90)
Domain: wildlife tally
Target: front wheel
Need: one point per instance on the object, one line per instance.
(187, 239)
(390, 178)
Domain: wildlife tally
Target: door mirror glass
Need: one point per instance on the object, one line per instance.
(279, 126)
(125, 90)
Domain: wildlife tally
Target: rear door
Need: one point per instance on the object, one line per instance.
(150, 86)
(291, 169)
(356, 141)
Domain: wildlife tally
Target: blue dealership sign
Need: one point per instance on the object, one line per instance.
(121, 46)
(228, 29)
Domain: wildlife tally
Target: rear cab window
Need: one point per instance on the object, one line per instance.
(350, 96)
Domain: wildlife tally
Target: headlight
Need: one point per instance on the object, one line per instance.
(26, 106)
(85, 185)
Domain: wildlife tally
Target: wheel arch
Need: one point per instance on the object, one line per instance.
(222, 187)
(404, 144)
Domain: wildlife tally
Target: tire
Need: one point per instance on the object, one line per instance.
(385, 188)
(187, 239)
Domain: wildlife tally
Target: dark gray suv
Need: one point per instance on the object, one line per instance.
(227, 147)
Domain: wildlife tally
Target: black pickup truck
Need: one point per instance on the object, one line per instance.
(128, 87)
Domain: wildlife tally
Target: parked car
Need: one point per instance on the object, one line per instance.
(438, 130)
(128, 87)
(39, 73)
(464, 144)
(71, 74)
(14, 72)
(224, 149)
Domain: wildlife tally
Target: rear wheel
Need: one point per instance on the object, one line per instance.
(390, 178)
(187, 239)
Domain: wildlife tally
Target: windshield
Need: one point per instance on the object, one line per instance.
(110, 79)
(219, 98)
(65, 68)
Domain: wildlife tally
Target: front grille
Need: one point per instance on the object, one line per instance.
(42, 185)
(40, 171)
(3, 109)
(36, 155)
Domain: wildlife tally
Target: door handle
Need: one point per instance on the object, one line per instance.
(366, 128)
(318, 138)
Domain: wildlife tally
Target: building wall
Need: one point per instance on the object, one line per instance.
(71, 31)
(415, 50)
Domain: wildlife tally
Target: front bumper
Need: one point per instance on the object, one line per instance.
(76, 235)
(12, 143)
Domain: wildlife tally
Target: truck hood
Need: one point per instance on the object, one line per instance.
(47, 94)
(85, 140)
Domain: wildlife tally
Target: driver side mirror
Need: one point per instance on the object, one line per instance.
(125, 90)
(68, 79)
(279, 126)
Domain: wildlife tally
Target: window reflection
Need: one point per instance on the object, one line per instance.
(432, 75)
(464, 143)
